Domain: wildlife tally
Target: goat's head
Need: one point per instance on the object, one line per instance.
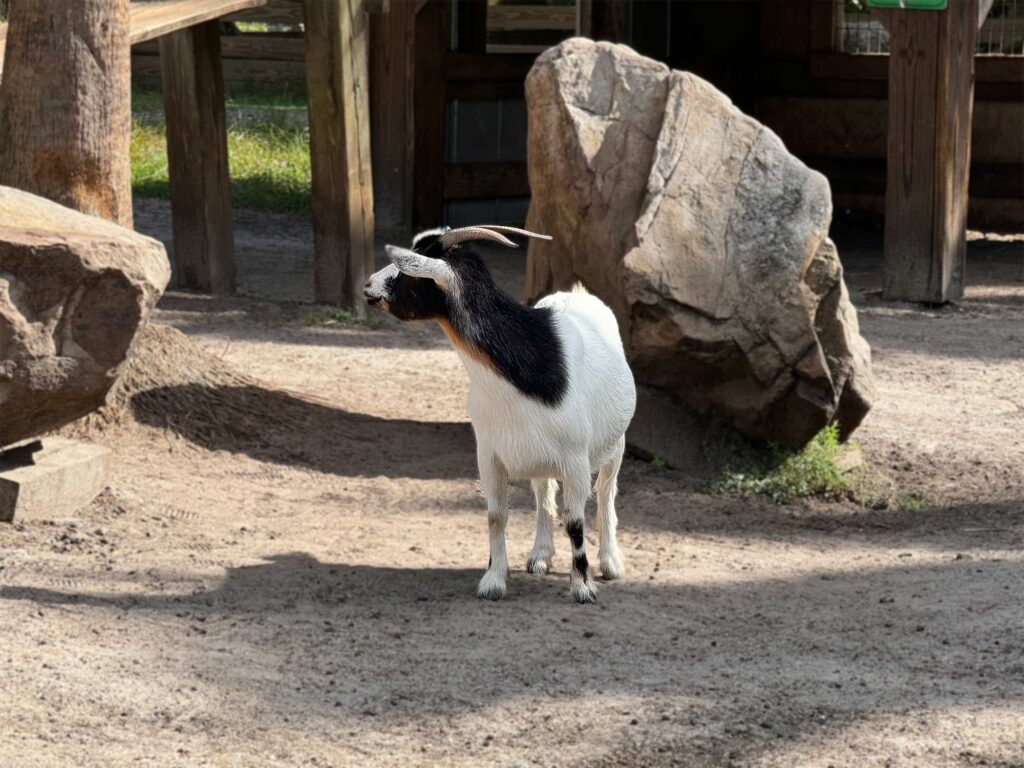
(422, 281)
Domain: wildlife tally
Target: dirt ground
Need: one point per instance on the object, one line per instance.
(283, 571)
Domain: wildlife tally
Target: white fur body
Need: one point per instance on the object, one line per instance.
(519, 437)
(536, 440)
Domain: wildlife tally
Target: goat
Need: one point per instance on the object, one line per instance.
(551, 393)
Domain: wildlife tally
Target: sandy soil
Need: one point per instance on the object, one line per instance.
(247, 595)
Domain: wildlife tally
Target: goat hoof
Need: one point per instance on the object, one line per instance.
(538, 566)
(611, 567)
(583, 592)
(492, 587)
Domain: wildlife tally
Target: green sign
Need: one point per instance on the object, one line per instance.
(911, 5)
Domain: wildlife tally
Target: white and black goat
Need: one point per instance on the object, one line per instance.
(550, 393)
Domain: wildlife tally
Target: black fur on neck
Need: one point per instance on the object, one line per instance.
(519, 342)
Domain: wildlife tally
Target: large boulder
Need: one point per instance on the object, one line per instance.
(74, 292)
(705, 236)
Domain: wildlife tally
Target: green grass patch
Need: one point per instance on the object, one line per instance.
(818, 469)
(269, 166)
(337, 316)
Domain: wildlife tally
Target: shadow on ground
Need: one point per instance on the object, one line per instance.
(805, 654)
(271, 425)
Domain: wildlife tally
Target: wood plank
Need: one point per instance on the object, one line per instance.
(584, 17)
(428, 180)
(471, 25)
(392, 41)
(482, 66)
(610, 20)
(337, 36)
(849, 66)
(147, 21)
(484, 89)
(235, 70)
(931, 90)
(516, 48)
(274, 12)
(822, 27)
(259, 47)
(197, 156)
(856, 128)
(501, 18)
(957, 41)
(475, 180)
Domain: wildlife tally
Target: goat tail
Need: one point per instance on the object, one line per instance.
(579, 287)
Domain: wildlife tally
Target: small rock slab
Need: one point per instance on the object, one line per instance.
(54, 482)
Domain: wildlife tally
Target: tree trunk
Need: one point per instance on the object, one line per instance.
(65, 105)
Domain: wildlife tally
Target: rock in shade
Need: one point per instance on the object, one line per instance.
(74, 292)
(707, 238)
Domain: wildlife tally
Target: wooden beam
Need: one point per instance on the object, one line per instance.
(392, 50)
(471, 25)
(485, 66)
(428, 189)
(584, 17)
(610, 20)
(931, 94)
(148, 21)
(467, 181)
(506, 18)
(235, 70)
(197, 156)
(337, 33)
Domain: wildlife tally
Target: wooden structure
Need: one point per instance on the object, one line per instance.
(931, 101)
(782, 61)
(188, 35)
(337, 35)
(276, 56)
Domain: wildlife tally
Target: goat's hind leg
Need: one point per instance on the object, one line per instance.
(574, 499)
(544, 491)
(607, 520)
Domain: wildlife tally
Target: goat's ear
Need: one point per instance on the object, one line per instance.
(417, 265)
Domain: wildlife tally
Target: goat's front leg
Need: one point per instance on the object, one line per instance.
(494, 484)
(574, 496)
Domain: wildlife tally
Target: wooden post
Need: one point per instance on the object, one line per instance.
(197, 158)
(584, 18)
(931, 95)
(392, 54)
(339, 142)
(610, 20)
(429, 100)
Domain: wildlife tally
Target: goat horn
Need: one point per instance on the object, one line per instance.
(517, 231)
(460, 235)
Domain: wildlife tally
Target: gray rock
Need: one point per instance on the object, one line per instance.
(705, 236)
(74, 292)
